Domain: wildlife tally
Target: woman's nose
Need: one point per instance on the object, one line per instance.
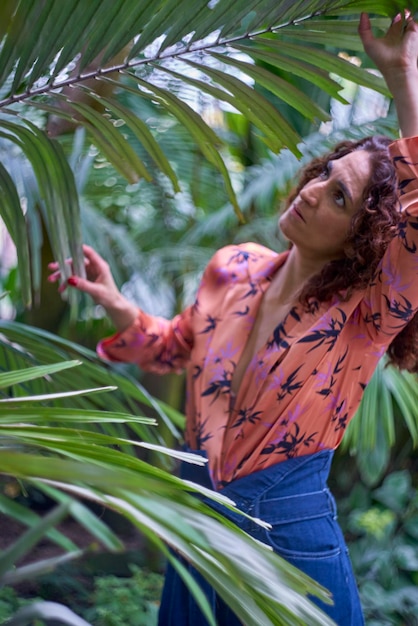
(311, 192)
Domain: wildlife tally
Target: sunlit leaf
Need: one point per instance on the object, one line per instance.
(54, 396)
(51, 611)
(206, 542)
(11, 212)
(13, 378)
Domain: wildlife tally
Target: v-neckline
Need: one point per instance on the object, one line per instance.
(255, 350)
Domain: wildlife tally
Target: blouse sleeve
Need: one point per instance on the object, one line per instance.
(155, 344)
(391, 300)
(159, 345)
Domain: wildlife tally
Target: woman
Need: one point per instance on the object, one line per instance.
(280, 347)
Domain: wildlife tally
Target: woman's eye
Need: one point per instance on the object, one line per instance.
(339, 199)
(325, 173)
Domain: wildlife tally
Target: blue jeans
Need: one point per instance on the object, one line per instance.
(294, 498)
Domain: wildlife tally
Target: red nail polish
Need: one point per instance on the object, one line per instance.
(72, 281)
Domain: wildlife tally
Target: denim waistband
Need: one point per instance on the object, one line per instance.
(292, 489)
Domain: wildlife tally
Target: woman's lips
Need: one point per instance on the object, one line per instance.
(297, 212)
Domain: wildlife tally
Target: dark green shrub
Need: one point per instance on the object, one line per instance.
(382, 529)
(10, 602)
(130, 601)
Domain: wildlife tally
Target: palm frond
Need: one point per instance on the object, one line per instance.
(49, 57)
(390, 396)
(259, 585)
(30, 351)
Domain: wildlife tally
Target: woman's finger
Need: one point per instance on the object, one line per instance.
(91, 254)
(365, 30)
(52, 278)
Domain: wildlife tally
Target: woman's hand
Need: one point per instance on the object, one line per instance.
(396, 56)
(100, 285)
(397, 52)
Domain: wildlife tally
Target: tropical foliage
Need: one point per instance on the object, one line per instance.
(55, 448)
(216, 76)
(384, 523)
(51, 55)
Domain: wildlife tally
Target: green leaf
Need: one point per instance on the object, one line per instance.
(404, 389)
(247, 101)
(151, 514)
(27, 517)
(48, 348)
(143, 134)
(336, 33)
(56, 182)
(81, 24)
(18, 31)
(205, 137)
(19, 548)
(53, 612)
(194, 588)
(385, 409)
(281, 88)
(395, 491)
(56, 25)
(162, 19)
(7, 8)
(35, 56)
(113, 145)
(306, 70)
(256, 108)
(381, 7)
(13, 378)
(99, 34)
(181, 24)
(50, 436)
(72, 415)
(14, 220)
(54, 396)
(131, 19)
(329, 62)
(86, 518)
(406, 557)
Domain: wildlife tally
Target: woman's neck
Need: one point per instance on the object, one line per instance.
(292, 276)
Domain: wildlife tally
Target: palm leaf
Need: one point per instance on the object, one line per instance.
(56, 182)
(41, 40)
(144, 494)
(322, 32)
(14, 220)
(162, 508)
(50, 611)
(24, 515)
(14, 552)
(277, 131)
(143, 134)
(371, 434)
(24, 347)
(280, 88)
(326, 61)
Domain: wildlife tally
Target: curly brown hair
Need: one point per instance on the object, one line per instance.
(372, 228)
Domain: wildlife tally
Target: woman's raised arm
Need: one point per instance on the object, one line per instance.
(396, 56)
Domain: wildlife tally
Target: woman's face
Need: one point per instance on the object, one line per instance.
(318, 220)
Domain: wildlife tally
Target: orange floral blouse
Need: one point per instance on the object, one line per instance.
(304, 385)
